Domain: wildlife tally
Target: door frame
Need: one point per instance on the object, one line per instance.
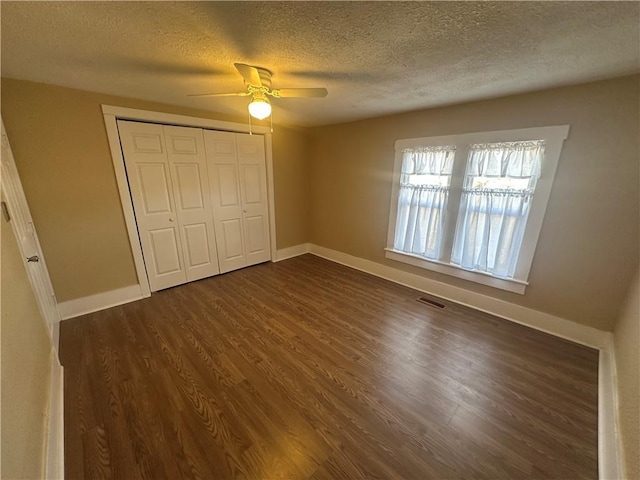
(113, 113)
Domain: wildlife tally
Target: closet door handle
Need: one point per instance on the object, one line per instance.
(244, 211)
(171, 220)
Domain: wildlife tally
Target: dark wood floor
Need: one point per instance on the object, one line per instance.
(308, 369)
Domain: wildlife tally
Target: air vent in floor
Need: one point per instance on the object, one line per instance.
(431, 303)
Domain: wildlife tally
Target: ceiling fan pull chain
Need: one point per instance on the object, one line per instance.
(250, 131)
(271, 118)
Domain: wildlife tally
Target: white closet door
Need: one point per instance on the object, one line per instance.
(149, 178)
(187, 161)
(253, 193)
(225, 195)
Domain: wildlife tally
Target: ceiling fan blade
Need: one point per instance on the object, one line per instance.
(237, 94)
(250, 74)
(301, 92)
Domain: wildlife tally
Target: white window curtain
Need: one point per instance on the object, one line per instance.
(496, 199)
(422, 199)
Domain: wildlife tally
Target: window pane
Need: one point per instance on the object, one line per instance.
(499, 183)
(431, 180)
(422, 200)
(495, 204)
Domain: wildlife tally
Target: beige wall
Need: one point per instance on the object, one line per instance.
(588, 248)
(626, 337)
(60, 145)
(25, 367)
(291, 183)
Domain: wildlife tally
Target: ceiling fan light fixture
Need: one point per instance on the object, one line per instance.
(260, 108)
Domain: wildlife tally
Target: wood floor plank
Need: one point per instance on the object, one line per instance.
(309, 369)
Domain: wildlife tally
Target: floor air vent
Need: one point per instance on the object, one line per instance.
(431, 303)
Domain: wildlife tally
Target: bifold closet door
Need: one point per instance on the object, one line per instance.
(237, 172)
(190, 181)
(166, 169)
(253, 193)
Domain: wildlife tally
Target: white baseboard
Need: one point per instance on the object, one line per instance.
(610, 464)
(545, 322)
(291, 252)
(100, 301)
(54, 453)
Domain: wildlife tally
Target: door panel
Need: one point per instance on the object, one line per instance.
(147, 166)
(147, 142)
(250, 145)
(183, 145)
(255, 234)
(225, 194)
(228, 185)
(232, 230)
(189, 186)
(190, 183)
(198, 244)
(165, 251)
(253, 190)
(154, 187)
(224, 145)
(251, 178)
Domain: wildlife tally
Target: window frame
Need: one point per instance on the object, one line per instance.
(554, 137)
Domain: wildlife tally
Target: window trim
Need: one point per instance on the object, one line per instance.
(554, 137)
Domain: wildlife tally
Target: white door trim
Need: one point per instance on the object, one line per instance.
(112, 113)
(54, 460)
(610, 452)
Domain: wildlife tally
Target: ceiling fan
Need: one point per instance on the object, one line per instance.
(258, 82)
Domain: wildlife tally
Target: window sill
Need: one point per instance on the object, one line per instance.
(510, 285)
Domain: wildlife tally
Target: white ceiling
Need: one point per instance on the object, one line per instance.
(375, 58)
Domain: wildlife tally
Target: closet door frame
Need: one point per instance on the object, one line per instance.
(112, 113)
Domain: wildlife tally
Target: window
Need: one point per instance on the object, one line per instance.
(424, 188)
(472, 205)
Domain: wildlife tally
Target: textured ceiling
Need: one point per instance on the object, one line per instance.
(375, 58)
